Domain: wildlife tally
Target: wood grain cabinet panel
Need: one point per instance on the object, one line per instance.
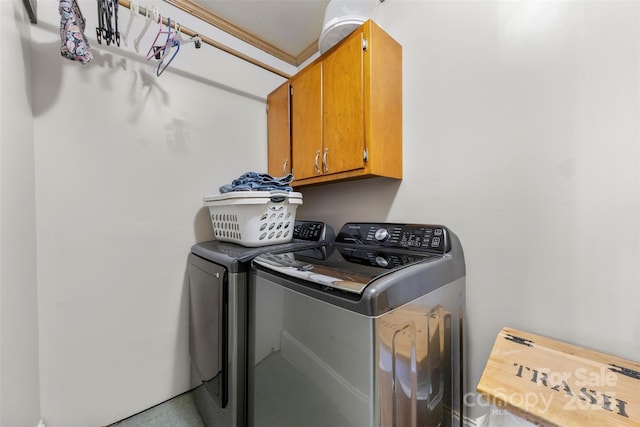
(346, 111)
(343, 108)
(306, 122)
(279, 131)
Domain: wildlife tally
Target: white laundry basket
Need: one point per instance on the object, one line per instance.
(253, 218)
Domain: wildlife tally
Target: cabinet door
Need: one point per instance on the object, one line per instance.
(343, 112)
(278, 131)
(306, 122)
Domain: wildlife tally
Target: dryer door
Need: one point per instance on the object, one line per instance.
(208, 327)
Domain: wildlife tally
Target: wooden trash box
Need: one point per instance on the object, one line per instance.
(551, 383)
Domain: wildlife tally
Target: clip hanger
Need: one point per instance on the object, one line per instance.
(107, 29)
(195, 39)
(116, 32)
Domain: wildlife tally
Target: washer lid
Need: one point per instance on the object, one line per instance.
(346, 268)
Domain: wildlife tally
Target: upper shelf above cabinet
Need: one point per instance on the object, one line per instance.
(344, 113)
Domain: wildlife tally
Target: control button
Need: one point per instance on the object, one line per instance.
(435, 242)
(381, 234)
(437, 232)
(382, 261)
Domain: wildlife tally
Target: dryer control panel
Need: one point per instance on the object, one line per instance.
(415, 237)
(313, 231)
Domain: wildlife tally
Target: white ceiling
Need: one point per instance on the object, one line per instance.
(288, 25)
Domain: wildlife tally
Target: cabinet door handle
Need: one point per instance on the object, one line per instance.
(284, 167)
(315, 163)
(325, 166)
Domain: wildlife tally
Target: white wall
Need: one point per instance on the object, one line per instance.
(122, 161)
(521, 133)
(19, 392)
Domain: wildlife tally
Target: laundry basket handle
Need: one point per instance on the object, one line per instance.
(278, 196)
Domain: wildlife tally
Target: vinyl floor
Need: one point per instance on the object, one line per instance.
(307, 405)
(180, 411)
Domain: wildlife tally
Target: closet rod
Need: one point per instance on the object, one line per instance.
(211, 42)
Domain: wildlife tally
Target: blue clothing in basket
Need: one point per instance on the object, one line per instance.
(254, 181)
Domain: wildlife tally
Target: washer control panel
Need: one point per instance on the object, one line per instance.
(376, 257)
(421, 237)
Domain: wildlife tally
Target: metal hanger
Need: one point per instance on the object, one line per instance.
(159, 48)
(175, 43)
(172, 44)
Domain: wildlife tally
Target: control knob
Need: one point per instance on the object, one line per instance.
(382, 261)
(382, 234)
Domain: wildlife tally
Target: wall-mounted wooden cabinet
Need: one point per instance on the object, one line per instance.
(344, 112)
(279, 131)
